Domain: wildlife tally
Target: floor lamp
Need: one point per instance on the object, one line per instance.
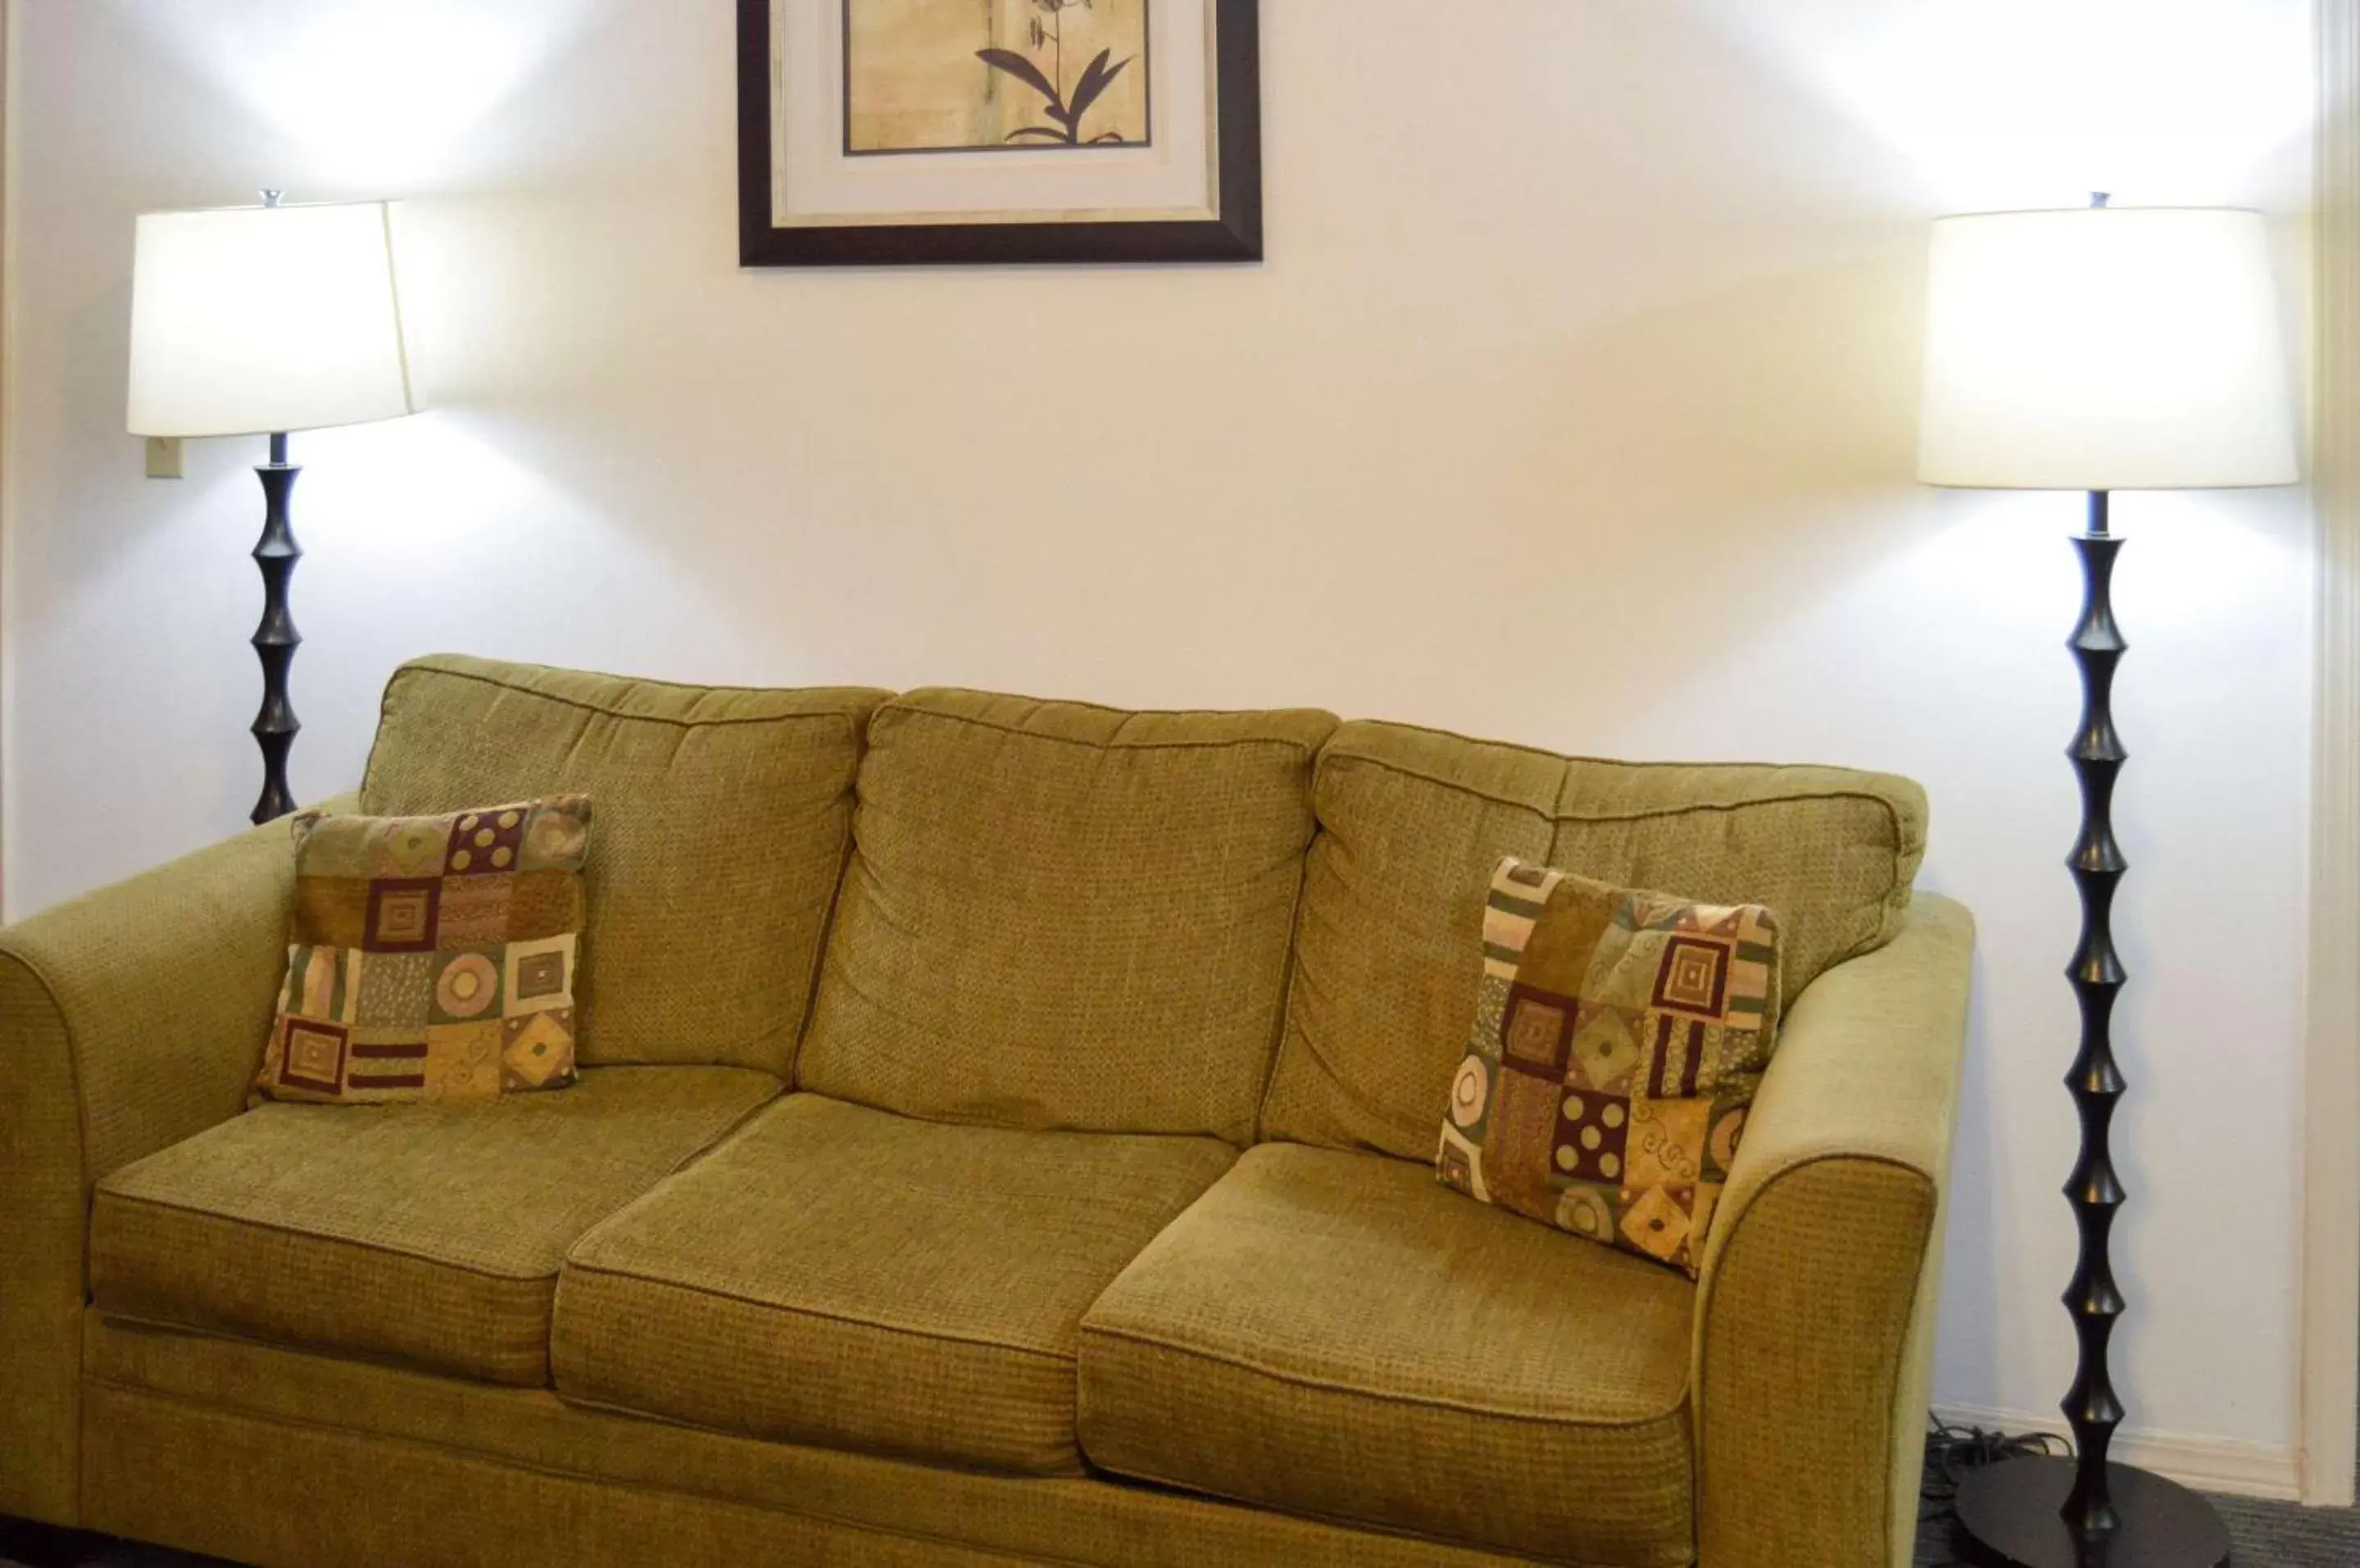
(2099, 349)
(260, 320)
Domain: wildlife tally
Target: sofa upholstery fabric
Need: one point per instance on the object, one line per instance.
(1065, 916)
(192, 1433)
(428, 1232)
(89, 1082)
(1412, 824)
(1815, 1319)
(723, 819)
(849, 1278)
(660, 1317)
(1333, 1334)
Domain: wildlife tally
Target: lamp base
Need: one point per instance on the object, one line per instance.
(2012, 1515)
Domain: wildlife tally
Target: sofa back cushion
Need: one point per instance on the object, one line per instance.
(723, 819)
(1066, 916)
(1413, 823)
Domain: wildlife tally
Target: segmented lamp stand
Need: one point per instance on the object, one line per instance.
(276, 639)
(2086, 1513)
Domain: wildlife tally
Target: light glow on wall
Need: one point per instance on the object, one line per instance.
(2003, 104)
(380, 95)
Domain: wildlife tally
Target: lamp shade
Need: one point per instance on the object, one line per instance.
(253, 320)
(2105, 348)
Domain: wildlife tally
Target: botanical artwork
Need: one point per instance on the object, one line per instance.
(865, 129)
(976, 75)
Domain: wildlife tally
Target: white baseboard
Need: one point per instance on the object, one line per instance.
(2222, 1464)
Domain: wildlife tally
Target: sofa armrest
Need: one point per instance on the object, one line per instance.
(1815, 1309)
(129, 1020)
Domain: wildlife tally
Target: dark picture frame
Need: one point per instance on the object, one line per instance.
(1235, 236)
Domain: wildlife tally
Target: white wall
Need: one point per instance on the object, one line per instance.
(1574, 405)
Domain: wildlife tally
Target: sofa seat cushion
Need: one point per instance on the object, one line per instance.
(427, 1232)
(1334, 1334)
(846, 1278)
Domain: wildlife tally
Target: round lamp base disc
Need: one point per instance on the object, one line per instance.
(2011, 1513)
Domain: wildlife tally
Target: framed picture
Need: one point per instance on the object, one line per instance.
(875, 131)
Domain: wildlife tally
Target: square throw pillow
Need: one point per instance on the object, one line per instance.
(431, 958)
(1619, 1038)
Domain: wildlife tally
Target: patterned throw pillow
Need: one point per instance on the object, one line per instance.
(431, 958)
(1619, 1038)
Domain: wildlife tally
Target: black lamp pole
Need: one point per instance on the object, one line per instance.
(2096, 1082)
(2085, 1512)
(276, 639)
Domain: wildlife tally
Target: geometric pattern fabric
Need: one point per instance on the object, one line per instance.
(1619, 1038)
(431, 958)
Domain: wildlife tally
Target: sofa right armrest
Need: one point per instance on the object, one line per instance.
(1815, 1314)
(130, 1018)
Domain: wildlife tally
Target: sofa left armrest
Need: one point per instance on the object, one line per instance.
(1815, 1311)
(130, 1018)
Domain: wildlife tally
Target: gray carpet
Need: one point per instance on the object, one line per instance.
(2278, 1535)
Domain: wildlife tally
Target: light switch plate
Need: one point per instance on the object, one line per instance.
(165, 457)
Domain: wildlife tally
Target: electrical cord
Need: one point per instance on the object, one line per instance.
(1952, 1451)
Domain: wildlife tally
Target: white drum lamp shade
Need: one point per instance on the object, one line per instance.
(253, 321)
(2105, 348)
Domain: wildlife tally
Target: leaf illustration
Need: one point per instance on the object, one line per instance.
(1023, 69)
(1043, 132)
(1095, 79)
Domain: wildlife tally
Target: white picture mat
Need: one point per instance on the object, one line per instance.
(814, 182)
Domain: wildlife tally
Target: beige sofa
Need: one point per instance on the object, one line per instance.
(1005, 1137)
